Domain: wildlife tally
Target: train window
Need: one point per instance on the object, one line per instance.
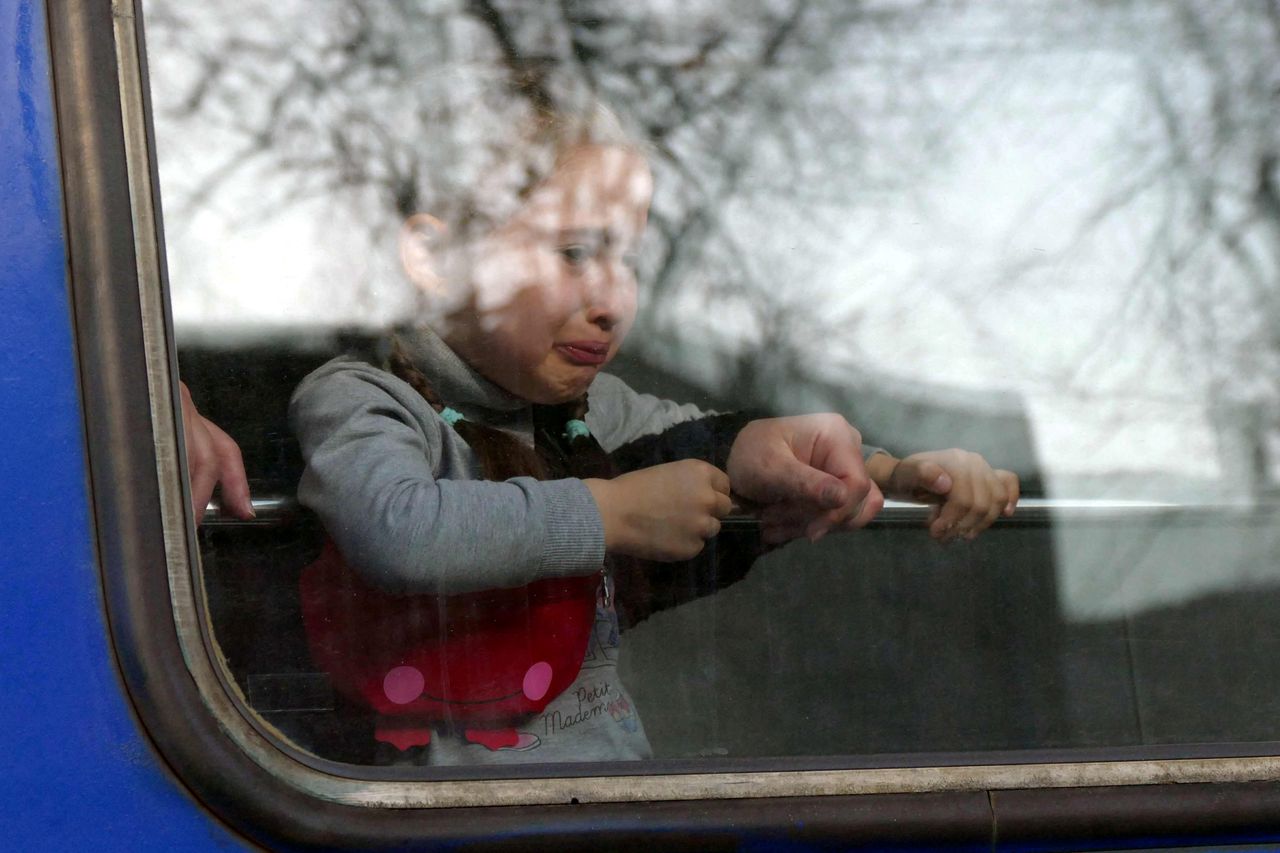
(1022, 253)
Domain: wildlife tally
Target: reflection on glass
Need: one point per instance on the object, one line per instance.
(1045, 242)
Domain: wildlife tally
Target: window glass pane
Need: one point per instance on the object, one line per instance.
(1045, 233)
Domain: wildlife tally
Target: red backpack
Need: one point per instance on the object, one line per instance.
(482, 660)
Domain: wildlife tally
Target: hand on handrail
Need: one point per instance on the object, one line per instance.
(213, 458)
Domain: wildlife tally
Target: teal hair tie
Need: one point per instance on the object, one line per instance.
(451, 416)
(576, 429)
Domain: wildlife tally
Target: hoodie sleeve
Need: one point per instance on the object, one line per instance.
(641, 430)
(374, 455)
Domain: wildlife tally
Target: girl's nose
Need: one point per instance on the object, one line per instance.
(602, 319)
(609, 295)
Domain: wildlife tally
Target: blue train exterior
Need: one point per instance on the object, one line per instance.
(80, 773)
(83, 773)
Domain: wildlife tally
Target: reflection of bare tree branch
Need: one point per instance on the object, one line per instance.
(585, 55)
(1207, 186)
(527, 72)
(767, 110)
(691, 232)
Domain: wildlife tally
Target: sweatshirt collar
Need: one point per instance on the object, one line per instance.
(454, 380)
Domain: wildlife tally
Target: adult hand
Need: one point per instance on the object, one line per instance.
(807, 475)
(213, 458)
(666, 512)
(969, 495)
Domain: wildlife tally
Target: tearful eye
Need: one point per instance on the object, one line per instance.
(577, 254)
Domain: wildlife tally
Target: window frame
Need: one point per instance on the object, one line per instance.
(188, 707)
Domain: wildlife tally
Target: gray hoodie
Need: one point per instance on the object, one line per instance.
(400, 494)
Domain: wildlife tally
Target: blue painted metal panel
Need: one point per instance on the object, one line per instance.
(77, 773)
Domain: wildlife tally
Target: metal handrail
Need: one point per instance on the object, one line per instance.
(275, 510)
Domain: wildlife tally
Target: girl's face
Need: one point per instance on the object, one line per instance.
(553, 292)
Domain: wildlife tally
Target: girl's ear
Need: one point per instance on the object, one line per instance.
(421, 238)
